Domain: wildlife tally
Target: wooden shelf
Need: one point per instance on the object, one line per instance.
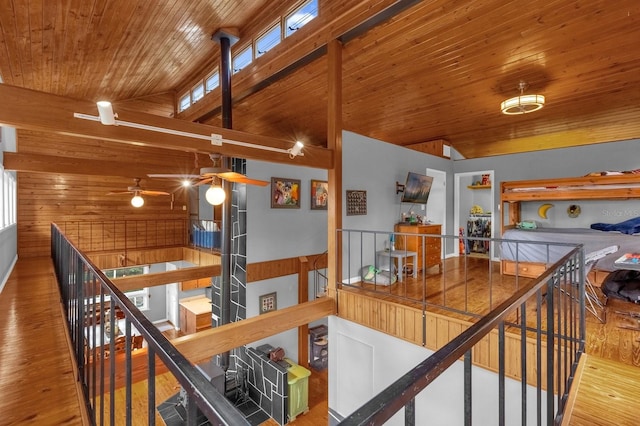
(479, 186)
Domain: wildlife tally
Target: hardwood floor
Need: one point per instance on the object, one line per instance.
(37, 378)
(37, 383)
(468, 284)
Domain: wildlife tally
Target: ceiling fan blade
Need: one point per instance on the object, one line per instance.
(149, 192)
(204, 181)
(119, 192)
(172, 176)
(230, 176)
(250, 181)
(240, 178)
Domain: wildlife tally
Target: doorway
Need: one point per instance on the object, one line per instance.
(475, 192)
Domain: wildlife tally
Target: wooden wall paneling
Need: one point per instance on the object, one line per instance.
(82, 201)
(145, 256)
(386, 317)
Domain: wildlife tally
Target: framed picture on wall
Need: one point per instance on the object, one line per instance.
(285, 193)
(319, 194)
(356, 202)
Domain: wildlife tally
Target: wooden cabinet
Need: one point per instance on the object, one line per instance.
(193, 284)
(432, 245)
(195, 314)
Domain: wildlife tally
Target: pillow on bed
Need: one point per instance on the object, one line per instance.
(527, 224)
(631, 226)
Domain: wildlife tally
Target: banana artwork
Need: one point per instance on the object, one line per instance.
(542, 210)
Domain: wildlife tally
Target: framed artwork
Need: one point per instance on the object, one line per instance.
(285, 193)
(268, 303)
(356, 203)
(319, 194)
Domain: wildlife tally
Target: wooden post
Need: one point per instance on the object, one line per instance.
(303, 296)
(334, 142)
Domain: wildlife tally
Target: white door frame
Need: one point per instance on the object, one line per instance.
(439, 180)
(457, 214)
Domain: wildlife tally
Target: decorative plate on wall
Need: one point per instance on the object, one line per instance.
(573, 210)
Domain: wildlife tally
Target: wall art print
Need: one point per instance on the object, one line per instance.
(319, 194)
(285, 193)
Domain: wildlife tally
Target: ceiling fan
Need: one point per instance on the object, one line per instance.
(138, 192)
(209, 174)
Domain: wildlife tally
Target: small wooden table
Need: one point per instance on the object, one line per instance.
(383, 258)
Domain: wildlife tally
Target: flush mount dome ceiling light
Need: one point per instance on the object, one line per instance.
(522, 104)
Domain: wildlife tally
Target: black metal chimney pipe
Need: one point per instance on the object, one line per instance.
(226, 243)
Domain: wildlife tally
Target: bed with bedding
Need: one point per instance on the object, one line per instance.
(544, 246)
(525, 253)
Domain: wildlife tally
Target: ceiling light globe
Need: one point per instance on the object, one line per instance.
(137, 201)
(215, 195)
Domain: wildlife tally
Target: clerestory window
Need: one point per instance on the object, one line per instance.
(301, 17)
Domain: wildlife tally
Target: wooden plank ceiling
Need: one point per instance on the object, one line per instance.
(431, 70)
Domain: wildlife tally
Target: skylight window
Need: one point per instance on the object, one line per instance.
(212, 81)
(268, 40)
(197, 92)
(185, 102)
(242, 59)
(301, 17)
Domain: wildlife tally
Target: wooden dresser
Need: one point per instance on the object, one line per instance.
(431, 244)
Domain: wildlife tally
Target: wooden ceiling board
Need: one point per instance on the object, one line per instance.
(436, 70)
(118, 49)
(304, 90)
(468, 69)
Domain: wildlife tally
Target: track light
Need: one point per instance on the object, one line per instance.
(107, 117)
(296, 150)
(105, 111)
(137, 201)
(215, 195)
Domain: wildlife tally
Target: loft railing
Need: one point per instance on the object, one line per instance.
(87, 294)
(122, 235)
(558, 300)
(320, 278)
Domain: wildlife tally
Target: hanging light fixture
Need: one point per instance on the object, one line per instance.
(522, 104)
(215, 195)
(137, 200)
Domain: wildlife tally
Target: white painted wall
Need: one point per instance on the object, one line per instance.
(281, 233)
(363, 362)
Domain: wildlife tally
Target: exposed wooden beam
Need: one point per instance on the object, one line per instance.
(161, 278)
(36, 163)
(29, 109)
(204, 344)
